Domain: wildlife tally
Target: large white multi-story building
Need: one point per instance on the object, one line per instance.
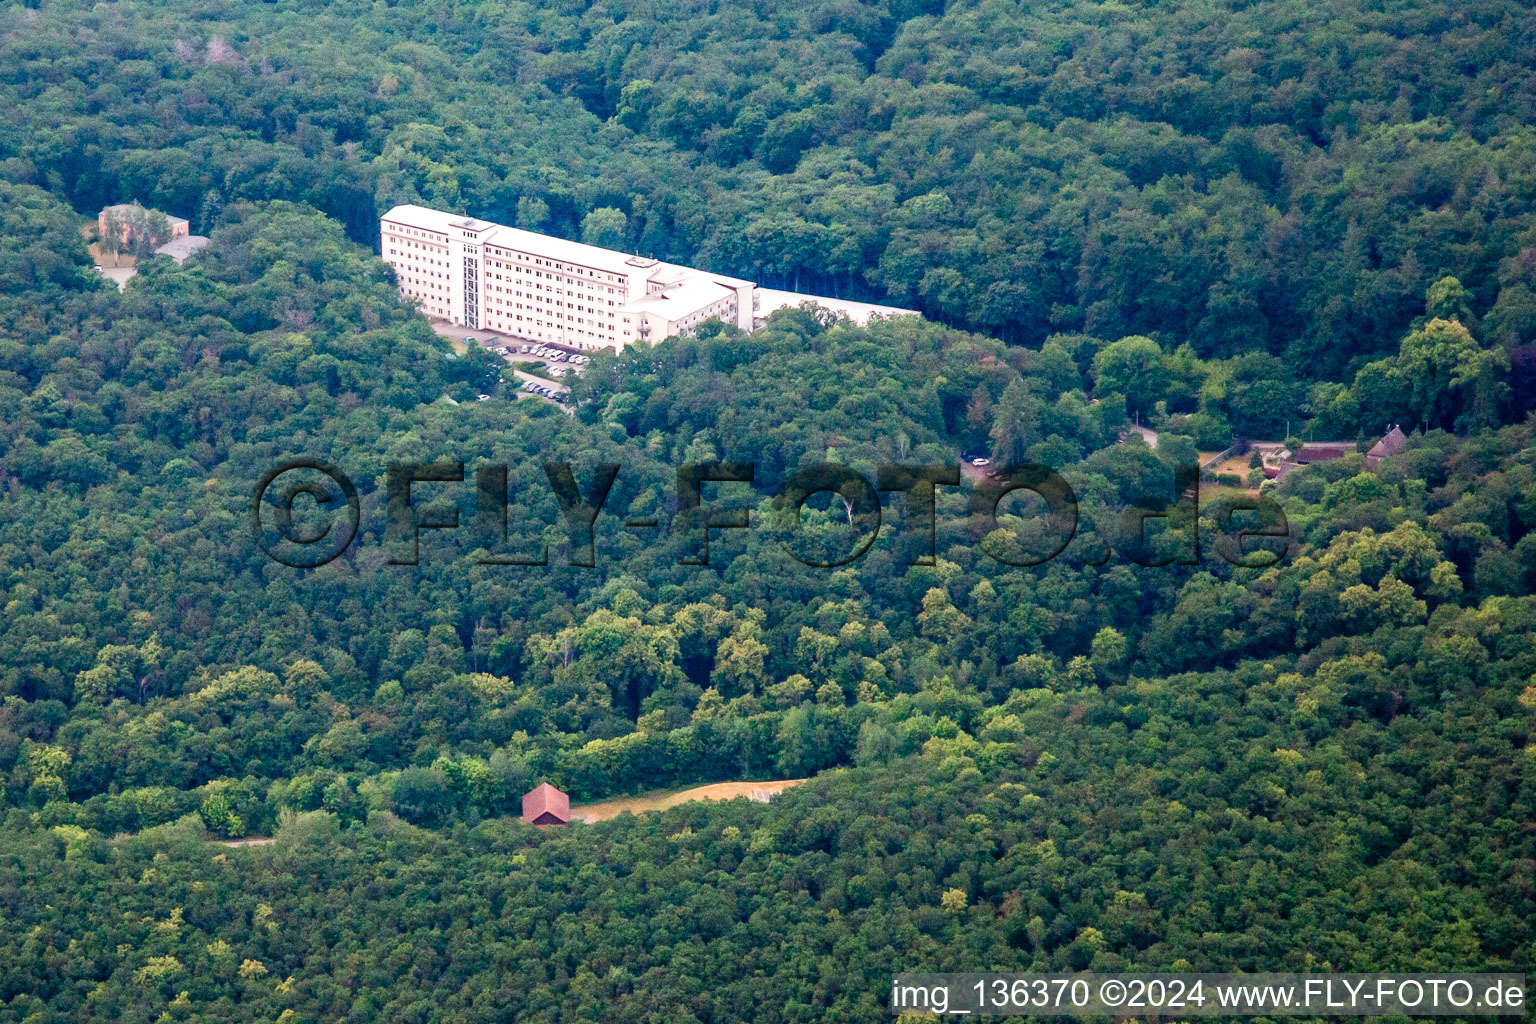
(491, 277)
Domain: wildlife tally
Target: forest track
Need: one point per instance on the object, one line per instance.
(761, 792)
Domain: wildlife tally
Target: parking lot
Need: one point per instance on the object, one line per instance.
(556, 360)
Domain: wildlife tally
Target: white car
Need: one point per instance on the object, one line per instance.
(482, 398)
(981, 462)
(523, 348)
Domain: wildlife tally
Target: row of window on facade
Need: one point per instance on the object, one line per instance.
(510, 253)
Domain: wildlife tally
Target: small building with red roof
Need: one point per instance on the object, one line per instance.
(1324, 451)
(546, 805)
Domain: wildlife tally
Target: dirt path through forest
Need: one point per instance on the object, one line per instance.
(247, 841)
(761, 792)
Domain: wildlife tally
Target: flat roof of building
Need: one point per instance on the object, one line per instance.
(683, 300)
(773, 299)
(561, 250)
(180, 248)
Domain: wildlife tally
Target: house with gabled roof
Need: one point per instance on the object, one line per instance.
(546, 805)
(1395, 442)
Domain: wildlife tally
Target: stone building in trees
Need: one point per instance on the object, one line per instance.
(135, 229)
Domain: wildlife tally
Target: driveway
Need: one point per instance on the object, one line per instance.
(120, 275)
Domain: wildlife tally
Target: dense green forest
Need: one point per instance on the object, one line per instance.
(1248, 220)
(1074, 765)
(1275, 176)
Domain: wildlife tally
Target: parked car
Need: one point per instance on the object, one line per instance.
(524, 348)
(981, 462)
(482, 398)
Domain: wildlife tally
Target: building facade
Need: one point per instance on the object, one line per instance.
(487, 276)
(127, 218)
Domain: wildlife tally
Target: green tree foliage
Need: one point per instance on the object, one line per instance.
(607, 227)
(1269, 180)
(1132, 367)
(1225, 232)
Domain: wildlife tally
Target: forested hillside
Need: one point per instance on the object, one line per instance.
(1068, 766)
(1280, 176)
(1232, 222)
